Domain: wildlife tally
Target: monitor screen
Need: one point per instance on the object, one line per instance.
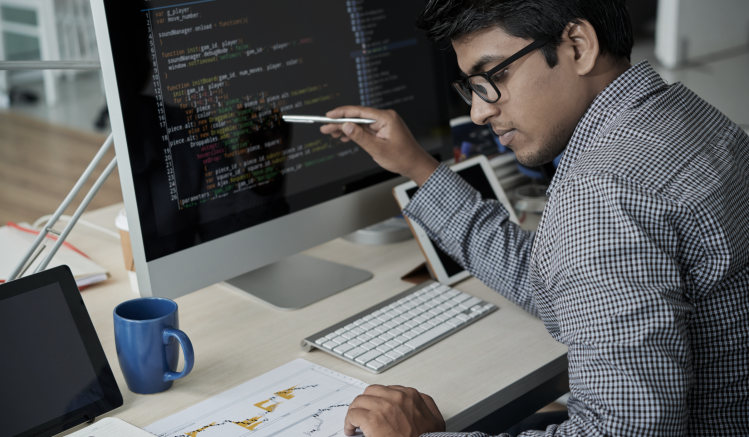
(203, 85)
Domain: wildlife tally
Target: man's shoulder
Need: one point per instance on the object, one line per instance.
(654, 142)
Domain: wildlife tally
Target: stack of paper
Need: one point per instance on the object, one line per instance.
(14, 244)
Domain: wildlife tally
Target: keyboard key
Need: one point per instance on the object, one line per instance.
(400, 310)
(364, 337)
(355, 342)
(426, 326)
(451, 293)
(377, 341)
(382, 329)
(418, 330)
(341, 349)
(341, 331)
(384, 317)
(358, 331)
(392, 314)
(394, 332)
(401, 339)
(349, 327)
(411, 334)
(399, 320)
(384, 348)
(359, 322)
(331, 335)
(442, 288)
(393, 343)
(445, 307)
(462, 297)
(374, 322)
(393, 354)
(463, 317)
(470, 302)
(390, 325)
(377, 313)
(368, 346)
(330, 345)
(420, 319)
(413, 313)
(367, 357)
(384, 359)
(428, 336)
(349, 335)
(435, 312)
(403, 328)
(455, 321)
(340, 340)
(452, 313)
(439, 299)
(412, 323)
(385, 337)
(443, 317)
(368, 318)
(476, 308)
(433, 322)
(321, 340)
(403, 350)
(375, 365)
(355, 352)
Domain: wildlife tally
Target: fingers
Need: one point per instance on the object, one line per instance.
(354, 418)
(432, 407)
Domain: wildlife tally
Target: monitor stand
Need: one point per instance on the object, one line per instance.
(298, 281)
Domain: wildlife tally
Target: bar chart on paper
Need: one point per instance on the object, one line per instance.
(298, 399)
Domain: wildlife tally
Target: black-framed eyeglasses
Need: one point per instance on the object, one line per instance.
(482, 83)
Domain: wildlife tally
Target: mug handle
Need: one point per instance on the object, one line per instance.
(187, 350)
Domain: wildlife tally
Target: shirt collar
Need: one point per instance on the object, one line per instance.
(633, 86)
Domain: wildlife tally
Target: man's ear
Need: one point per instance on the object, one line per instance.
(581, 43)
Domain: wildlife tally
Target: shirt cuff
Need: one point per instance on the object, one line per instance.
(441, 197)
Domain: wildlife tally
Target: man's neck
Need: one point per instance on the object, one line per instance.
(605, 71)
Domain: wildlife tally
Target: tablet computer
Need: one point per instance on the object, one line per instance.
(53, 372)
(480, 175)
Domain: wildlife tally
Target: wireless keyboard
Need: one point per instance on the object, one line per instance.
(382, 336)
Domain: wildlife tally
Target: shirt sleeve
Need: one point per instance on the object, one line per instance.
(610, 253)
(477, 233)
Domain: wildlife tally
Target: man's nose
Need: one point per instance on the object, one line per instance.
(482, 112)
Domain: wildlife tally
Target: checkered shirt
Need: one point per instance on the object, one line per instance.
(640, 264)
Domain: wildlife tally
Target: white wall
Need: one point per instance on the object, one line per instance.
(689, 29)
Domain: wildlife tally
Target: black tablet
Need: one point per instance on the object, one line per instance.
(53, 371)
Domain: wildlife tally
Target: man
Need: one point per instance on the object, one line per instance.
(640, 264)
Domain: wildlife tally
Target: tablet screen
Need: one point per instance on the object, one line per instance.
(475, 176)
(53, 368)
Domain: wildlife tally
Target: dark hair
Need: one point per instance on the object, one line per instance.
(444, 20)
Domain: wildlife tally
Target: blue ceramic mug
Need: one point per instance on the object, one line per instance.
(145, 331)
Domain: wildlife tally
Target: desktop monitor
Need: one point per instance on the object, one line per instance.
(217, 187)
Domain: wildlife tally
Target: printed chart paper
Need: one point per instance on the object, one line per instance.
(298, 399)
(110, 427)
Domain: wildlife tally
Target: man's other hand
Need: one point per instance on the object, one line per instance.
(388, 140)
(393, 411)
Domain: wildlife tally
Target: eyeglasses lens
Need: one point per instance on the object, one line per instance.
(484, 88)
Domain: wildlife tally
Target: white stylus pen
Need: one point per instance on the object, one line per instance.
(318, 119)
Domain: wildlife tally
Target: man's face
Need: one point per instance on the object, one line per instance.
(539, 106)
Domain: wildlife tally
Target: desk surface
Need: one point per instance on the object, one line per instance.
(470, 374)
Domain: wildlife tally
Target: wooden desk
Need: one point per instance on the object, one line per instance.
(483, 368)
